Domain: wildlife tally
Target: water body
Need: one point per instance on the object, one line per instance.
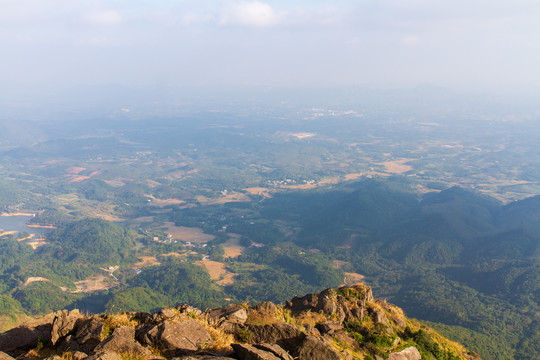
(18, 223)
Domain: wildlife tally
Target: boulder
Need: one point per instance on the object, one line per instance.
(79, 355)
(122, 340)
(285, 335)
(174, 339)
(63, 323)
(276, 350)
(26, 336)
(188, 310)
(165, 314)
(314, 348)
(378, 316)
(329, 327)
(248, 352)
(235, 314)
(266, 307)
(410, 353)
(89, 331)
(203, 357)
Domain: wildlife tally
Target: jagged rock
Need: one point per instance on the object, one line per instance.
(329, 327)
(63, 324)
(105, 355)
(313, 348)
(88, 333)
(79, 355)
(165, 314)
(378, 316)
(311, 330)
(4, 356)
(188, 310)
(266, 307)
(53, 357)
(122, 340)
(285, 335)
(248, 352)
(276, 350)
(174, 339)
(17, 340)
(410, 353)
(235, 314)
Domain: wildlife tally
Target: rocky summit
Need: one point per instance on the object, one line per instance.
(343, 323)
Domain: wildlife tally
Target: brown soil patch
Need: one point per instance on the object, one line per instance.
(26, 238)
(230, 197)
(109, 217)
(37, 243)
(164, 202)
(34, 279)
(353, 176)
(338, 264)
(259, 191)
(95, 283)
(232, 247)
(75, 170)
(115, 182)
(152, 183)
(397, 166)
(217, 271)
(17, 214)
(227, 280)
(353, 278)
(184, 233)
(78, 178)
(2, 233)
(146, 261)
(41, 226)
(144, 219)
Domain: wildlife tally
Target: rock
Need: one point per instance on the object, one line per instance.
(329, 327)
(88, 333)
(165, 314)
(285, 335)
(313, 348)
(79, 355)
(188, 310)
(235, 314)
(26, 336)
(105, 355)
(410, 353)
(266, 307)
(53, 357)
(174, 339)
(276, 350)
(122, 340)
(63, 324)
(248, 352)
(378, 316)
(4, 356)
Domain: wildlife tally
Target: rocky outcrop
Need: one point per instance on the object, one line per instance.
(345, 323)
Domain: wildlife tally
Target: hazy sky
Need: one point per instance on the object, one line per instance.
(64, 43)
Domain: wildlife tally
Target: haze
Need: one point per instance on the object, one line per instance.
(54, 45)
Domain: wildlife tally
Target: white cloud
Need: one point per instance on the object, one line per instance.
(253, 13)
(108, 17)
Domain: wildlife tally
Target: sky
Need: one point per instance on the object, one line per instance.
(59, 44)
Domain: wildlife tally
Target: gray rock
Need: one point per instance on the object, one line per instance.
(266, 307)
(313, 348)
(174, 339)
(188, 310)
(89, 331)
(329, 327)
(410, 353)
(122, 340)
(273, 333)
(63, 324)
(248, 352)
(235, 314)
(26, 336)
(276, 350)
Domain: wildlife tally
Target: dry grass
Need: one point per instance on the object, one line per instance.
(353, 278)
(221, 340)
(184, 233)
(310, 318)
(233, 196)
(397, 166)
(232, 247)
(146, 261)
(264, 192)
(92, 284)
